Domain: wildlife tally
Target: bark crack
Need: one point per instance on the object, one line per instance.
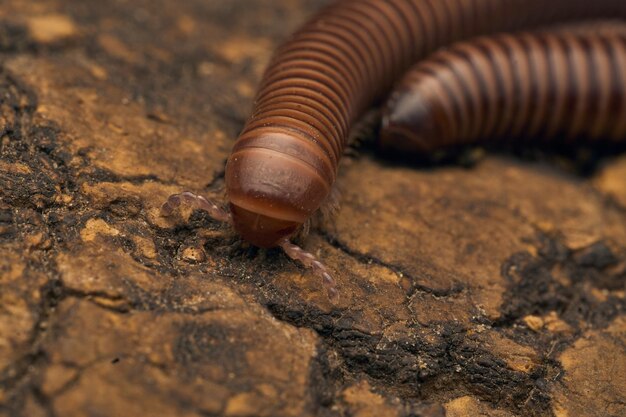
(368, 259)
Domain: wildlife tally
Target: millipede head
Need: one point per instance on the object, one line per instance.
(272, 192)
(259, 229)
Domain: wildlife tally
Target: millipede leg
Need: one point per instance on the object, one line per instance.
(308, 260)
(197, 201)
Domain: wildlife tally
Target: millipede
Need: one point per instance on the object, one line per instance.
(320, 81)
(540, 85)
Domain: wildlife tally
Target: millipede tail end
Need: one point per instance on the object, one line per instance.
(308, 260)
(174, 201)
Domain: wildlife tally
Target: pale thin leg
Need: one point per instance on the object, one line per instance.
(197, 201)
(308, 260)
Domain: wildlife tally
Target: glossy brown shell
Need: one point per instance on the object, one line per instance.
(536, 85)
(285, 161)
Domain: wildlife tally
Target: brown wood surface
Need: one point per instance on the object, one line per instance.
(495, 290)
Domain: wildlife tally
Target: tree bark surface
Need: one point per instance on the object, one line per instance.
(494, 290)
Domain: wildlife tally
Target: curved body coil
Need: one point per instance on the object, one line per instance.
(539, 85)
(285, 161)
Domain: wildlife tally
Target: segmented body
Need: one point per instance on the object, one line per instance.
(534, 85)
(320, 81)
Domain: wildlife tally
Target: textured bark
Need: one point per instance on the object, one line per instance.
(495, 290)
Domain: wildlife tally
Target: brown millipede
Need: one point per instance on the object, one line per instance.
(541, 85)
(284, 163)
